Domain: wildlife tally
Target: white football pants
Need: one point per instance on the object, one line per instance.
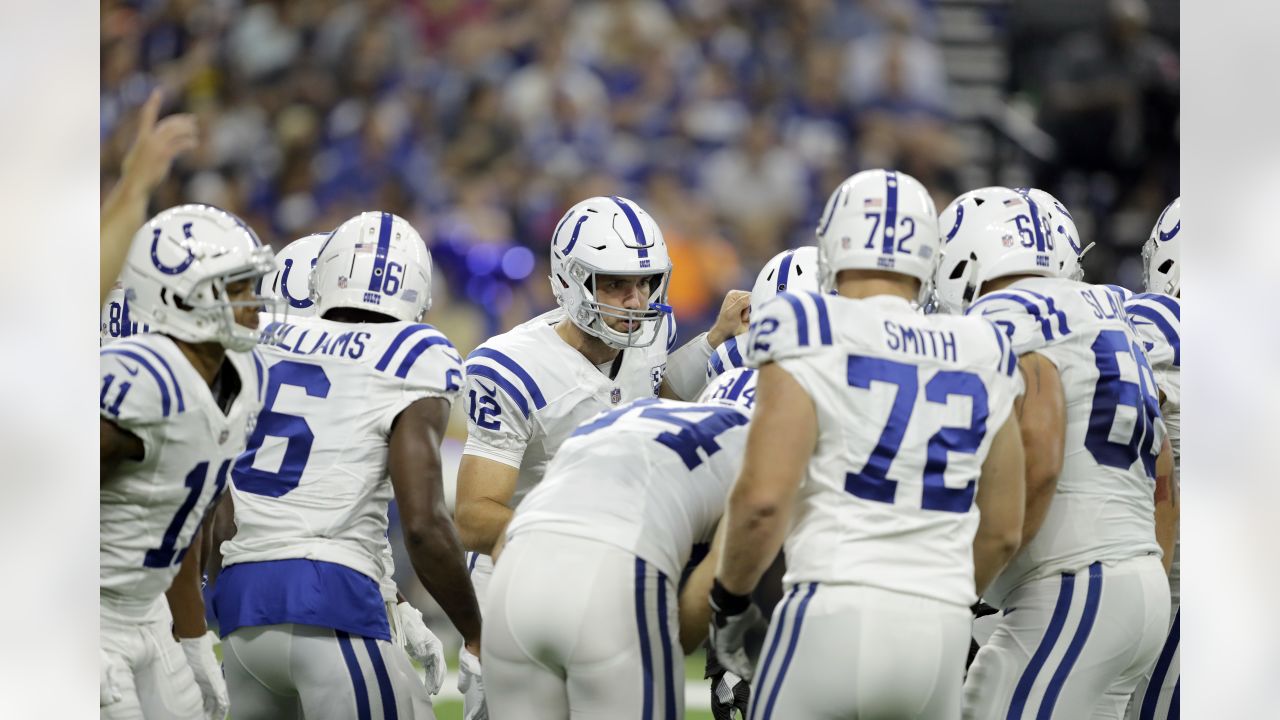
(1157, 695)
(292, 671)
(148, 670)
(1072, 645)
(580, 629)
(853, 651)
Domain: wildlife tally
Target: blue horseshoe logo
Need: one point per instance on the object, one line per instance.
(1062, 230)
(180, 267)
(955, 228)
(1166, 236)
(284, 287)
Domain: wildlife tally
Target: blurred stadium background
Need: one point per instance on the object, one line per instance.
(482, 121)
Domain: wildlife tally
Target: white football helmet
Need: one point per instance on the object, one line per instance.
(290, 284)
(1161, 272)
(994, 232)
(878, 220)
(1069, 249)
(178, 269)
(736, 388)
(609, 236)
(116, 322)
(375, 261)
(795, 269)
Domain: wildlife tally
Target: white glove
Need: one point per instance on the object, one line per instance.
(204, 664)
(737, 631)
(108, 691)
(421, 644)
(471, 686)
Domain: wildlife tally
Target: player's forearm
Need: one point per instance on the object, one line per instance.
(1044, 464)
(186, 602)
(757, 527)
(123, 212)
(437, 557)
(695, 611)
(991, 552)
(481, 522)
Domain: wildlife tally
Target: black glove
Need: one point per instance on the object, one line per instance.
(728, 693)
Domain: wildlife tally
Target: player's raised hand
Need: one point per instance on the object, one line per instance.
(156, 145)
(733, 317)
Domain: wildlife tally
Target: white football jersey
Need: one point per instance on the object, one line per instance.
(650, 477)
(907, 406)
(1158, 320)
(150, 510)
(726, 356)
(313, 482)
(1104, 508)
(527, 390)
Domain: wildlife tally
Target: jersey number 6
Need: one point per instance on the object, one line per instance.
(293, 428)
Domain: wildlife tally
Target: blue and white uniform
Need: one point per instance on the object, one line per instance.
(1158, 321)
(1085, 601)
(879, 552)
(623, 505)
(151, 509)
(298, 600)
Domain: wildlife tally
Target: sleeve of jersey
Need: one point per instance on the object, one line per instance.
(420, 363)
(501, 397)
(136, 389)
(789, 325)
(1030, 320)
(1158, 322)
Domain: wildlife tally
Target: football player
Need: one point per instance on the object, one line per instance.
(884, 451)
(356, 403)
(615, 521)
(795, 270)
(1085, 600)
(175, 406)
(611, 341)
(1157, 316)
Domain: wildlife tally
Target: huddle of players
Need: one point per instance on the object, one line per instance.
(587, 466)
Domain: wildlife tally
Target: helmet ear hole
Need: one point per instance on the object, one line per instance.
(958, 271)
(1166, 266)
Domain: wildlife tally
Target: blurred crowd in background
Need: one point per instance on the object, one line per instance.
(482, 121)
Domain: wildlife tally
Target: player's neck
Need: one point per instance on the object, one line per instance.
(860, 284)
(206, 358)
(592, 348)
(1001, 283)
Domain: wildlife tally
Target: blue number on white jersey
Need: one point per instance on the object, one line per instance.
(293, 428)
(872, 481)
(698, 426)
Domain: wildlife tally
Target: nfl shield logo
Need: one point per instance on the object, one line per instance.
(1007, 240)
(222, 436)
(615, 397)
(342, 281)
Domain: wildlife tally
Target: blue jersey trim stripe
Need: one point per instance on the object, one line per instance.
(1053, 311)
(784, 271)
(1170, 303)
(802, 319)
(177, 389)
(777, 629)
(1007, 359)
(1087, 617)
(664, 635)
(380, 259)
(731, 350)
(385, 361)
(824, 322)
(1046, 328)
(573, 240)
(525, 378)
(357, 677)
(1161, 672)
(498, 378)
(1163, 325)
(715, 365)
(646, 657)
(471, 561)
(385, 689)
(643, 250)
(1123, 292)
(257, 365)
(412, 356)
(1051, 633)
(164, 390)
(890, 211)
(792, 642)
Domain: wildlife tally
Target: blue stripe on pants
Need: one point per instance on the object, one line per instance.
(1051, 633)
(357, 677)
(791, 650)
(1069, 658)
(664, 633)
(385, 689)
(772, 643)
(1158, 675)
(646, 658)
